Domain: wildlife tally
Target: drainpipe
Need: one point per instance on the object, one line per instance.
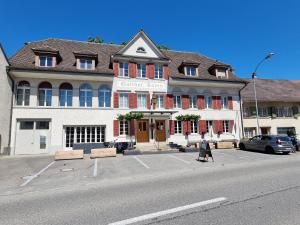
(241, 108)
(11, 108)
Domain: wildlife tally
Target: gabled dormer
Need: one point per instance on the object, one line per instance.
(86, 60)
(219, 70)
(189, 68)
(46, 56)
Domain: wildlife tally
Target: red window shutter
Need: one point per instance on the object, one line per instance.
(231, 124)
(169, 101)
(201, 102)
(185, 127)
(166, 72)
(218, 126)
(148, 101)
(221, 124)
(150, 71)
(132, 100)
(116, 128)
(132, 127)
(185, 102)
(132, 69)
(116, 68)
(230, 103)
(171, 127)
(202, 126)
(214, 102)
(116, 100)
(218, 102)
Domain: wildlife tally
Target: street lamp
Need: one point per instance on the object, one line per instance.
(269, 56)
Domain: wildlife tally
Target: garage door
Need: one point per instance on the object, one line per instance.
(32, 137)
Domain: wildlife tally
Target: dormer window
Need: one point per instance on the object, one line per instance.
(46, 61)
(85, 64)
(141, 50)
(219, 70)
(190, 71)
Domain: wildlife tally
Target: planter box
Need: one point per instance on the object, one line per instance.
(70, 154)
(224, 145)
(103, 152)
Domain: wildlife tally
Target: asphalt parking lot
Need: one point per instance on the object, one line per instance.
(42, 172)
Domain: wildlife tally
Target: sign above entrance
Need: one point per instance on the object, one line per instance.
(141, 85)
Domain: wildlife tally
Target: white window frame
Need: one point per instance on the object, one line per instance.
(194, 127)
(206, 102)
(141, 70)
(142, 101)
(193, 101)
(46, 60)
(123, 127)
(85, 91)
(209, 125)
(224, 102)
(105, 91)
(226, 126)
(122, 101)
(158, 71)
(160, 102)
(23, 95)
(46, 91)
(177, 127)
(175, 98)
(188, 71)
(122, 71)
(85, 63)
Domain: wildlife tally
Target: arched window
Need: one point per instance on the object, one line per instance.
(85, 95)
(141, 50)
(104, 93)
(23, 93)
(45, 94)
(65, 94)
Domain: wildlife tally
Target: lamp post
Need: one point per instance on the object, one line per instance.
(269, 56)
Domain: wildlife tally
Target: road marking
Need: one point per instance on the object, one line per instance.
(166, 212)
(141, 162)
(95, 167)
(37, 174)
(182, 160)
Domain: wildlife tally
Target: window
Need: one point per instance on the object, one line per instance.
(250, 132)
(123, 69)
(160, 104)
(284, 111)
(208, 102)
(124, 128)
(225, 126)
(209, 126)
(85, 95)
(142, 101)
(46, 61)
(286, 130)
(158, 73)
(190, 71)
(26, 125)
(177, 101)
(42, 125)
(123, 100)
(224, 102)
(141, 68)
(84, 134)
(177, 127)
(104, 96)
(65, 94)
(194, 127)
(141, 50)
(85, 64)
(263, 112)
(193, 101)
(45, 94)
(23, 93)
(43, 142)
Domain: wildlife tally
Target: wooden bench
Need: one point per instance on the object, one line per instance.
(69, 154)
(103, 152)
(224, 145)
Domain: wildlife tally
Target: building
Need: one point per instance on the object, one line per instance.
(69, 93)
(278, 107)
(5, 103)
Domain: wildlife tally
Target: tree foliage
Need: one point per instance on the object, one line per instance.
(96, 39)
(130, 116)
(191, 117)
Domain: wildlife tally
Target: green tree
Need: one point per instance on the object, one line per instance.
(96, 39)
(124, 43)
(163, 47)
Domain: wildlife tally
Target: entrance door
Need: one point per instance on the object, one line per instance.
(160, 130)
(142, 131)
(265, 130)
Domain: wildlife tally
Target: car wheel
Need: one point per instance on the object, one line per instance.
(269, 150)
(242, 147)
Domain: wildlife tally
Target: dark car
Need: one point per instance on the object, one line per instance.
(268, 144)
(295, 142)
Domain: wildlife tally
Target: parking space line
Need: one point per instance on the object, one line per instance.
(36, 175)
(182, 160)
(168, 211)
(141, 162)
(95, 167)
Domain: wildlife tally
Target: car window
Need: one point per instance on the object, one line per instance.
(284, 138)
(256, 138)
(265, 138)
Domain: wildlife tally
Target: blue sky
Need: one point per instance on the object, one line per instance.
(236, 32)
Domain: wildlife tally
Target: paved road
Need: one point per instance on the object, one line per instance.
(256, 192)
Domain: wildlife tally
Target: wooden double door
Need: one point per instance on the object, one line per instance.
(142, 134)
(160, 130)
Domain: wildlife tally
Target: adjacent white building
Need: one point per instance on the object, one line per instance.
(70, 94)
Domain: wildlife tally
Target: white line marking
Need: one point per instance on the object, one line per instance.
(95, 167)
(182, 160)
(36, 175)
(166, 212)
(141, 162)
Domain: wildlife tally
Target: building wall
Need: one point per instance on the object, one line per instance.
(5, 104)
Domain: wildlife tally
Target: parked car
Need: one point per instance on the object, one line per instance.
(295, 142)
(268, 144)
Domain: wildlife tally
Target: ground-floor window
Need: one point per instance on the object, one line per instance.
(84, 134)
(225, 126)
(286, 130)
(194, 127)
(209, 125)
(177, 127)
(124, 127)
(250, 132)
